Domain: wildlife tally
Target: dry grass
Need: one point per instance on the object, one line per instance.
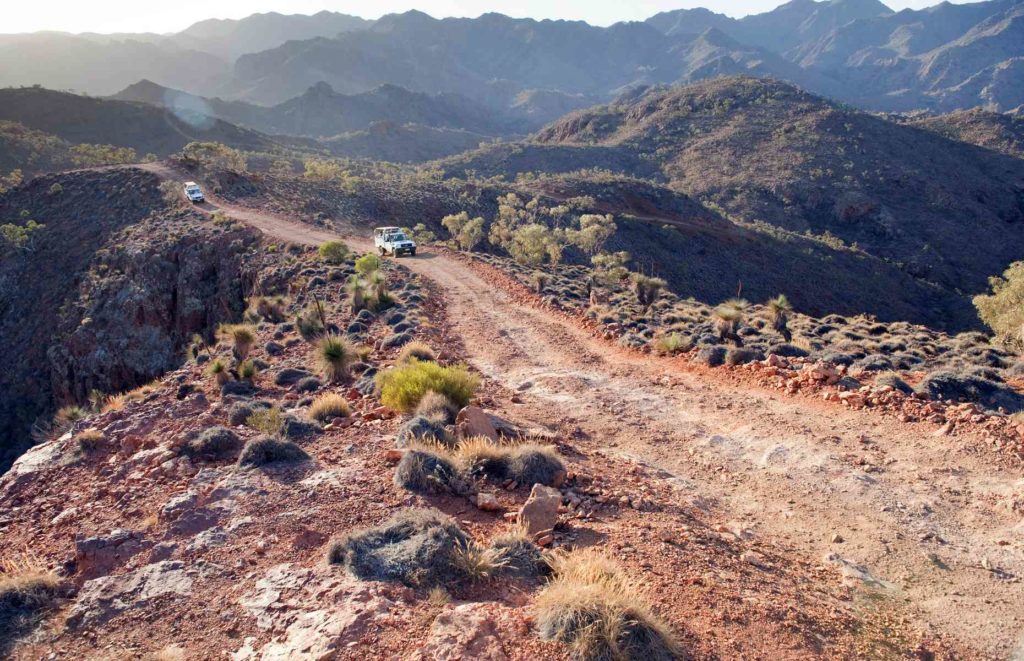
(329, 406)
(593, 607)
(269, 421)
(476, 562)
(89, 440)
(416, 351)
(27, 591)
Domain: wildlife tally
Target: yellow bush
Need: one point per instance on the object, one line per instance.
(403, 387)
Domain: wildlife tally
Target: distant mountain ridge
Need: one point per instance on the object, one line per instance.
(944, 58)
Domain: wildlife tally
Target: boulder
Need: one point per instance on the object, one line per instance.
(540, 512)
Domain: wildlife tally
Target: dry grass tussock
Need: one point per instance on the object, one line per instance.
(593, 607)
(27, 591)
(329, 406)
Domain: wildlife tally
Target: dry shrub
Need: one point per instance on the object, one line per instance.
(593, 607)
(416, 351)
(328, 407)
(27, 592)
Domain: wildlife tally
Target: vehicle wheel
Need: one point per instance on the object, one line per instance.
(383, 252)
(412, 253)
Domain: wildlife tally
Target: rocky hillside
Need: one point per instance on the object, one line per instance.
(1003, 133)
(766, 152)
(106, 293)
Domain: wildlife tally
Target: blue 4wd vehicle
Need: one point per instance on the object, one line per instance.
(393, 240)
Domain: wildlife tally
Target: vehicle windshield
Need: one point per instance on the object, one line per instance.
(192, 189)
(395, 236)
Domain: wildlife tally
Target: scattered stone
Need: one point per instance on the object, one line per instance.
(488, 502)
(473, 422)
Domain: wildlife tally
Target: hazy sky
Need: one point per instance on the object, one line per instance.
(144, 16)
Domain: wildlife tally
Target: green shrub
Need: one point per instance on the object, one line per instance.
(333, 252)
(367, 264)
(247, 370)
(1003, 309)
(647, 288)
(671, 344)
(403, 387)
(218, 369)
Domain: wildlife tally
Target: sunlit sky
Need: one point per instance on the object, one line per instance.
(141, 16)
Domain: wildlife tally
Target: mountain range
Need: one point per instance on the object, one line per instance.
(944, 58)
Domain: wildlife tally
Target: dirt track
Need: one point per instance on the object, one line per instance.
(922, 520)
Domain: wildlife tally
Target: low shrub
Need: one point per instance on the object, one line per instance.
(367, 264)
(415, 547)
(436, 408)
(89, 440)
(327, 407)
(27, 593)
(425, 472)
(333, 252)
(266, 450)
(973, 387)
(269, 421)
(403, 387)
(416, 351)
(213, 443)
(422, 430)
(594, 608)
(670, 344)
(526, 464)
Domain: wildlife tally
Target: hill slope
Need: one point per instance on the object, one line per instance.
(142, 127)
(767, 152)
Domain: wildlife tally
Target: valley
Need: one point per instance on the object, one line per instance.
(436, 337)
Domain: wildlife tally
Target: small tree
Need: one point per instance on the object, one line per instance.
(20, 237)
(1003, 309)
(421, 234)
(593, 233)
(610, 267)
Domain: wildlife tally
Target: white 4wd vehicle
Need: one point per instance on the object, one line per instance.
(392, 240)
(193, 192)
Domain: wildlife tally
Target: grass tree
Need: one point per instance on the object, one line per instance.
(728, 319)
(334, 356)
(780, 309)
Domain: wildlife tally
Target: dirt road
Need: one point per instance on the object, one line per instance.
(917, 518)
